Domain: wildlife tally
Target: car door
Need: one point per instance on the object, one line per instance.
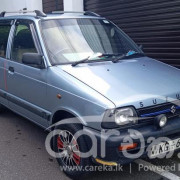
(26, 84)
(5, 27)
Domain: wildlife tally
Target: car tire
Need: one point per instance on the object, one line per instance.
(78, 163)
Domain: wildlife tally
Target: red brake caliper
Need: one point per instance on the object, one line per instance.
(59, 143)
(75, 156)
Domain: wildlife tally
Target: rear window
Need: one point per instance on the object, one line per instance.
(4, 33)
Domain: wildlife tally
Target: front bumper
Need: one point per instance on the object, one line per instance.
(109, 152)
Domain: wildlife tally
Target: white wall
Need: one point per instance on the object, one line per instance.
(73, 5)
(16, 5)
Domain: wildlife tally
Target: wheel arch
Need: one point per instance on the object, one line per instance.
(61, 114)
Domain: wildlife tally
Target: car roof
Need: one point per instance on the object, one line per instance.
(54, 15)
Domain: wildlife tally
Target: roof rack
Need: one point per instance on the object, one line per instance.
(91, 13)
(24, 11)
(81, 12)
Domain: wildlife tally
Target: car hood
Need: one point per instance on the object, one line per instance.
(139, 82)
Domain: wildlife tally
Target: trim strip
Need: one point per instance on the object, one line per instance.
(24, 105)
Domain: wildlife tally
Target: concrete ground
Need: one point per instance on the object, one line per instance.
(23, 156)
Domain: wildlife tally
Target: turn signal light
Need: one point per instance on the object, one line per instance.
(127, 147)
(58, 96)
(106, 162)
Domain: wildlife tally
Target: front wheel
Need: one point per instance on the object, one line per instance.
(66, 143)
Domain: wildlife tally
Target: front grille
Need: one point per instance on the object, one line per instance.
(171, 109)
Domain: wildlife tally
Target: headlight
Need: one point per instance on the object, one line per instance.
(119, 118)
(125, 116)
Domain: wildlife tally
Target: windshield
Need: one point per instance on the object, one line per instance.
(71, 40)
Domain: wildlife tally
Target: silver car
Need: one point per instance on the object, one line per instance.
(82, 68)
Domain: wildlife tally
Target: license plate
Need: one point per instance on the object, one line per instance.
(165, 147)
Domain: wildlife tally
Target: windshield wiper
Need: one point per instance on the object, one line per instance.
(81, 61)
(126, 56)
(109, 54)
(123, 56)
(88, 58)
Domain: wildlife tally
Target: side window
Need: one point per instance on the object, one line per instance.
(4, 34)
(22, 42)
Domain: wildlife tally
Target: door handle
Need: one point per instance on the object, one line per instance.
(11, 69)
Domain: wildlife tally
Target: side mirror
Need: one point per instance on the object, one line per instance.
(33, 59)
